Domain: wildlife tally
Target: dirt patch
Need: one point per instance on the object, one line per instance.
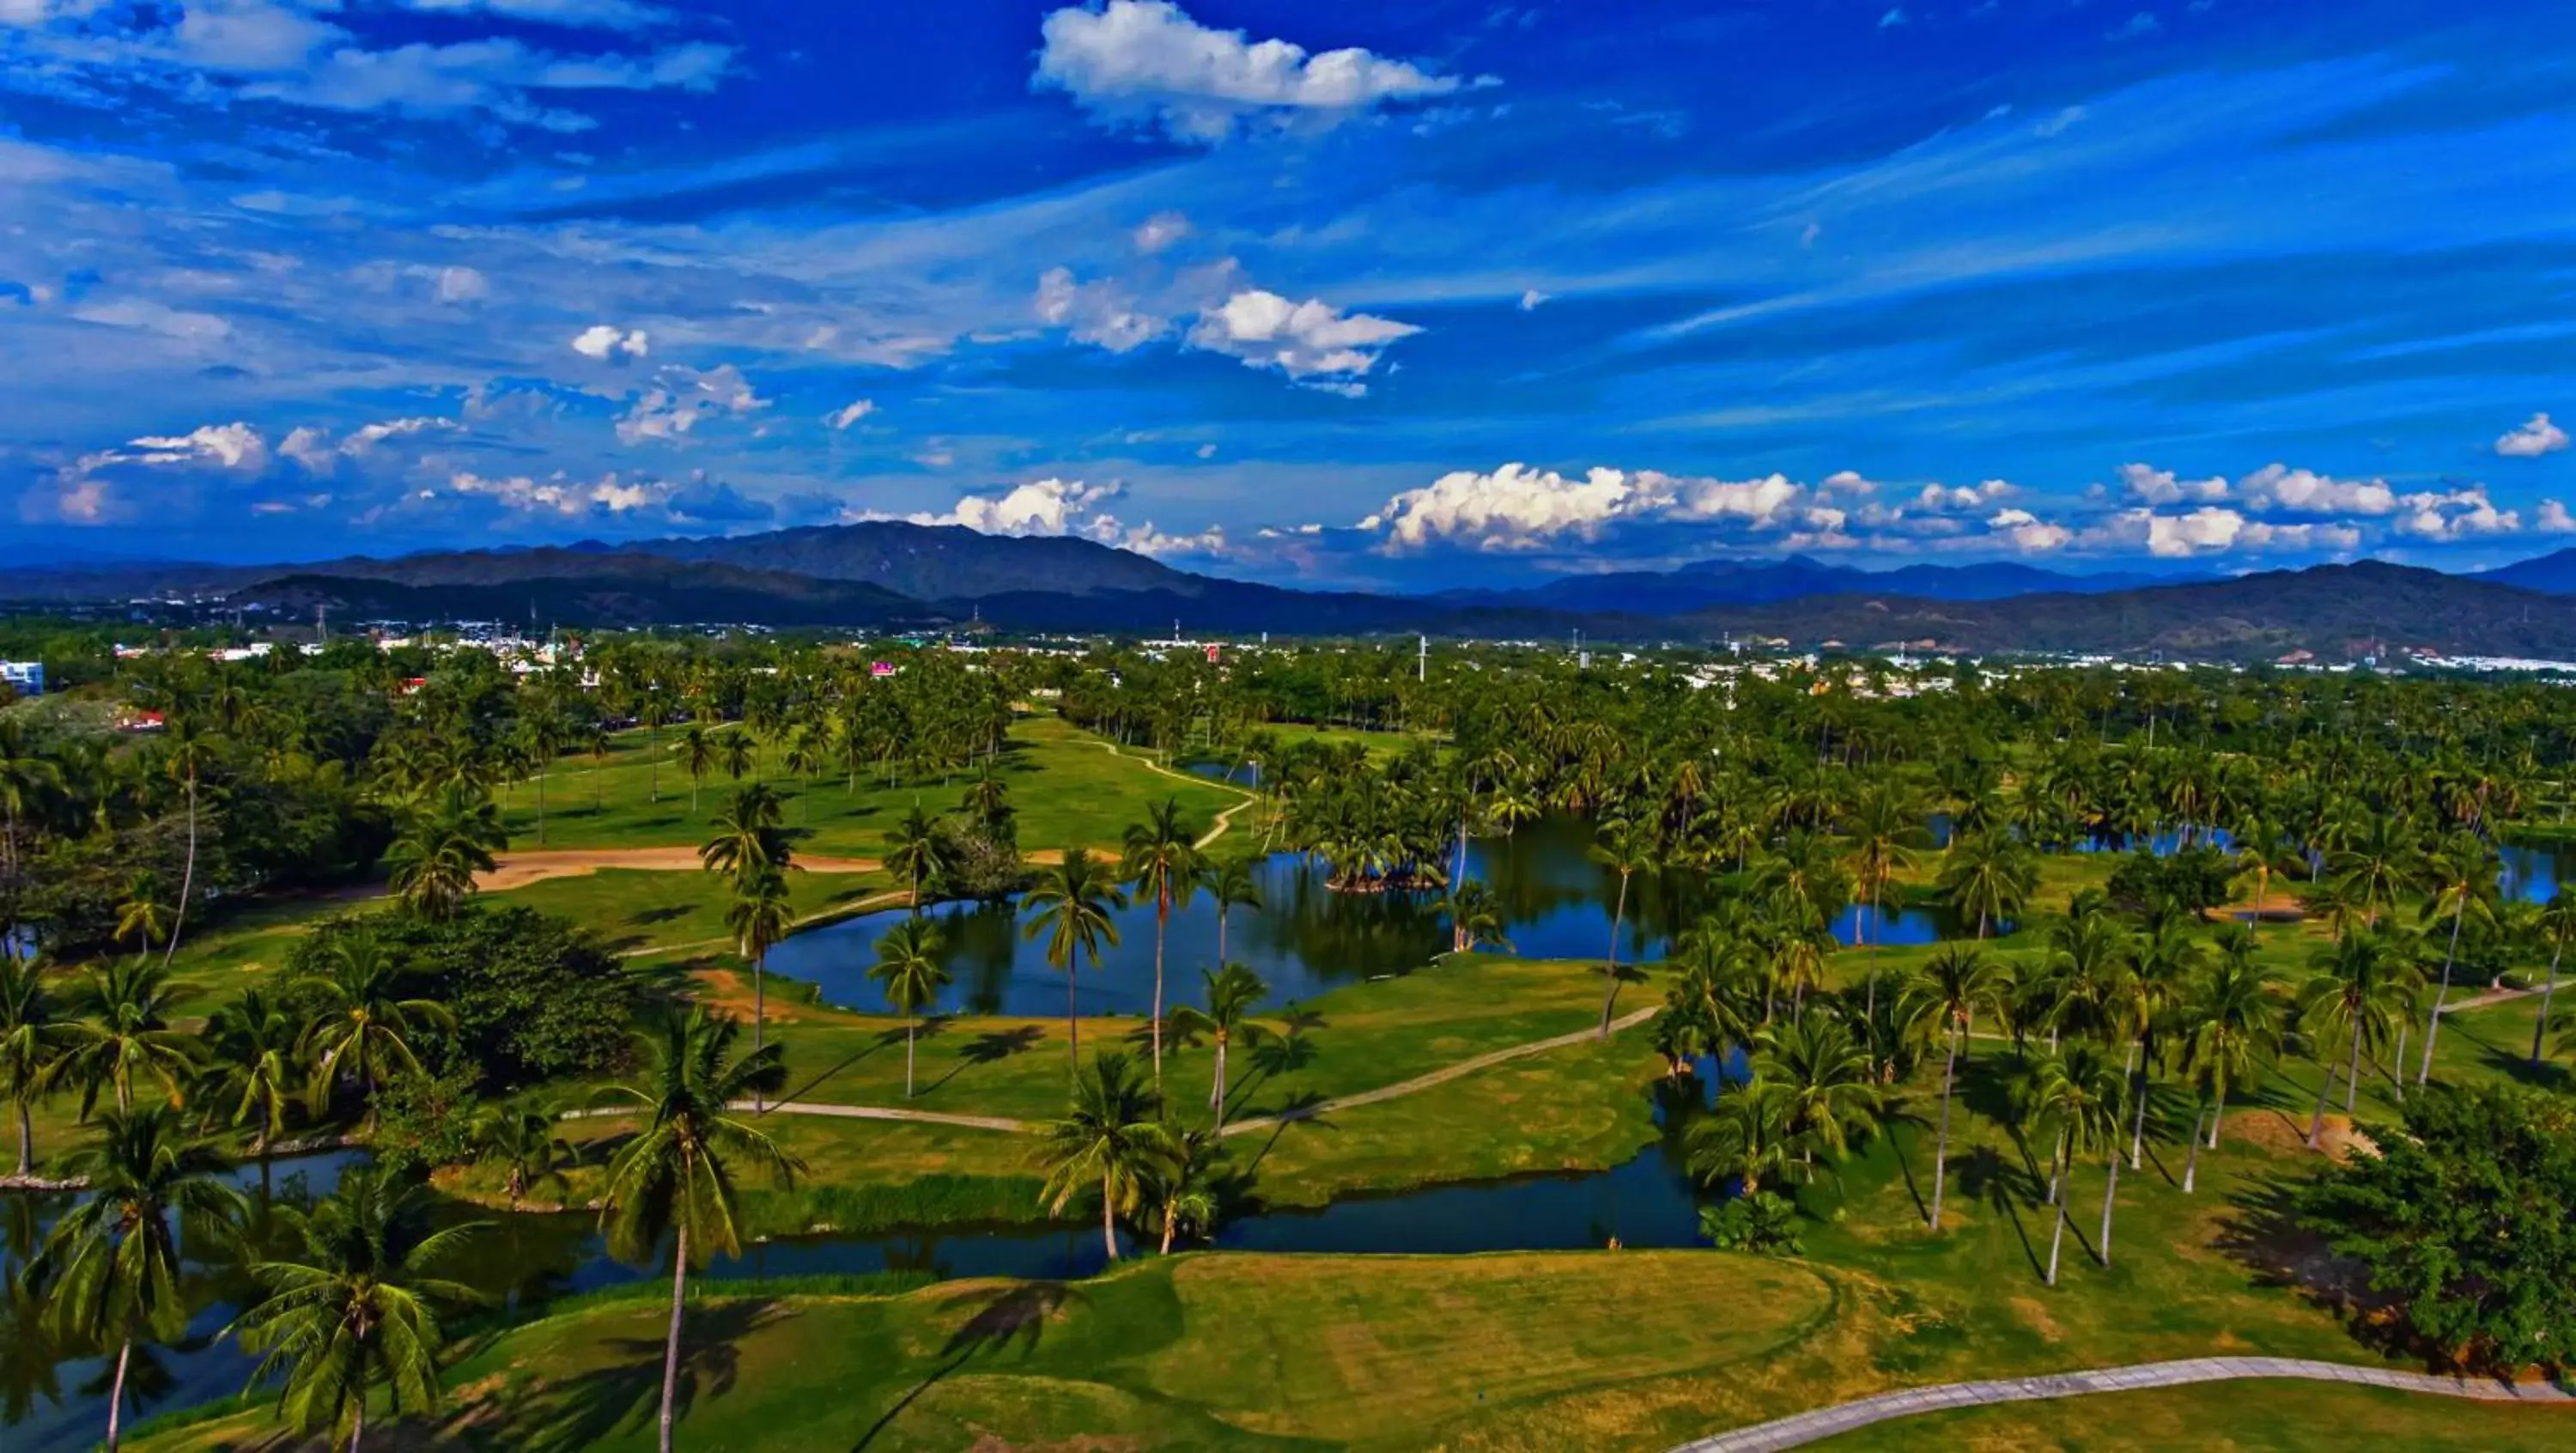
(987, 1441)
(2281, 1133)
(2038, 1319)
(518, 870)
(731, 992)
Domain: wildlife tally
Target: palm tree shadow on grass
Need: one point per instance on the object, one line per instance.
(1017, 1314)
(1302, 1108)
(585, 1410)
(2261, 1232)
(885, 1040)
(1989, 1177)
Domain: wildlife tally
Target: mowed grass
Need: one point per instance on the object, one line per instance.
(1218, 1351)
(1069, 788)
(635, 912)
(2233, 1417)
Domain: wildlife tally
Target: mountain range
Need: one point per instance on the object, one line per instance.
(884, 574)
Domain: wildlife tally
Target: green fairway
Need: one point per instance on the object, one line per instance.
(2233, 1417)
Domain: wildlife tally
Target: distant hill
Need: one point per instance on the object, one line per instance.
(2550, 574)
(2335, 611)
(574, 587)
(1707, 583)
(939, 562)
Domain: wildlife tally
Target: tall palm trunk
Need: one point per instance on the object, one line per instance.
(1162, 919)
(2352, 1073)
(358, 1425)
(2138, 1087)
(1072, 1019)
(2109, 1194)
(187, 876)
(1618, 916)
(910, 1023)
(1941, 1146)
(2191, 1162)
(2433, 1021)
(2217, 1111)
(2546, 991)
(2056, 1175)
(671, 1342)
(116, 1392)
(1216, 1092)
(26, 1140)
(1108, 1218)
(541, 806)
(2325, 1092)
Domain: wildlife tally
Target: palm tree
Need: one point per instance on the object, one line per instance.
(191, 751)
(2083, 1093)
(1944, 998)
(110, 1267)
(530, 1151)
(739, 751)
(138, 918)
(1232, 994)
(698, 758)
(2376, 865)
(1475, 918)
(1885, 823)
(2557, 924)
(1164, 863)
(914, 855)
(441, 850)
(33, 1035)
(747, 839)
(1180, 1183)
(676, 1177)
(355, 1313)
(1111, 1139)
(759, 917)
(2230, 1028)
(362, 1029)
(908, 967)
(1987, 876)
(1232, 884)
(123, 1030)
(255, 1046)
(2461, 879)
(1626, 846)
(26, 777)
(1746, 1138)
(1071, 904)
(1824, 1077)
(2363, 984)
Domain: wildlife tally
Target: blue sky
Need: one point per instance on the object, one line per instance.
(1415, 293)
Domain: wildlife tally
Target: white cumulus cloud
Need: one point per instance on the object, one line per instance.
(850, 413)
(682, 398)
(2305, 492)
(1039, 507)
(1516, 507)
(1160, 231)
(1136, 61)
(2151, 486)
(1304, 340)
(600, 340)
(2532, 440)
(1099, 312)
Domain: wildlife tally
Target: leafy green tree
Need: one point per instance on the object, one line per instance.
(1760, 1222)
(442, 848)
(2462, 1220)
(33, 1037)
(534, 997)
(909, 969)
(123, 1031)
(1943, 999)
(356, 1311)
(675, 1180)
(1825, 1078)
(1232, 994)
(1163, 861)
(109, 1269)
(1111, 1141)
(1070, 905)
(1746, 1138)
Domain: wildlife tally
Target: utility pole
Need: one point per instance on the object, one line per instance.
(1422, 662)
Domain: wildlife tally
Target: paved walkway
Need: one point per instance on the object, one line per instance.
(1440, 1076)
(888, 1112)
(1823, 1423)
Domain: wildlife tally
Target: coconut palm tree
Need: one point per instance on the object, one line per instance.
(747, 839)
(1232, 884)
(1163, 861)
(362, 1028)
(2460, 879)
(1111, 1140)
(1180, 1183)
(1071, 904)
(1232, 994)
(1883, 828)
(122, 1030)
(442, 848)
(109, 1269)
(1987, 876)
(27, 778)
(1475, 918)
(2378, 863)
(526, 1145)
(355, 1312)
(2557, 925)
(914, 854)
(697, 758)
(1745, 1139)
(1825, 1079)
(759, 917)
(675, 1179)
(2229, 1026)
(138, 917)
(909, 969)
(191, 751)
(2083, 1095)
(33, 1035)
(2362, 986)
(257, 1060)
(1626, 846)
(739, 751)
(1943, 998)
